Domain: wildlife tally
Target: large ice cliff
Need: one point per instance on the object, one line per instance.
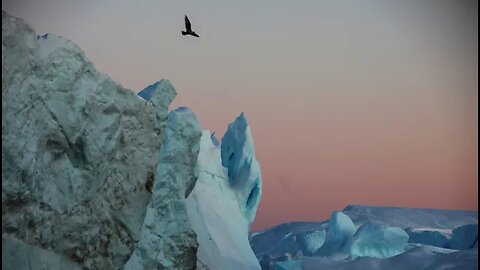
(96, 177)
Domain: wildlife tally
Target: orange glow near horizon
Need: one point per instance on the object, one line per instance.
(349, 102)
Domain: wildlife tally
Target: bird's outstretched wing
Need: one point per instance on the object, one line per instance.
(188, 25)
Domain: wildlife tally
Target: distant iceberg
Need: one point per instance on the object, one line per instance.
(364, 237)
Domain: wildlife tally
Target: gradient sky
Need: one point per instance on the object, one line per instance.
(350, 102)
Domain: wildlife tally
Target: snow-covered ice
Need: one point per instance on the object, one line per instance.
(216, 207)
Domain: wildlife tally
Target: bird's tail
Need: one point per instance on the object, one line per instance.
(184, 33)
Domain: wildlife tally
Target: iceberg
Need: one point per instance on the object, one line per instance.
(419, 258)
(95, 176)
(148, 91)
(410, 217)
(279, 240)
(310, 242)
(216, 208)
(378, 241)
(464, 237)
(166, 216)
(238, 156)
(427, 236)
(340, 231)
(426, 231)
(79, 153)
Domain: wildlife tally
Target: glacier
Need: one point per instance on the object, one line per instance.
(95, 176)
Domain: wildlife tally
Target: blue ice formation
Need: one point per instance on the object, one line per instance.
(288, 265)
(309, 242)
(410, 217)
(156, 92)
(272, 242)
(238, 156)
(340, 231)
(147, 93)
(428, 237)
(419, 258)
(464, 237)
(427, 231)
(378, 241)
(159, 94)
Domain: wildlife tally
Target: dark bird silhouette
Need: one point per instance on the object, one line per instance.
(188, 27)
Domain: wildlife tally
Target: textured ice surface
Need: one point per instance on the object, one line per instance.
(433, 237)
(78, 153)
(410, 217)
(340, 231)
(279, 240)
(419, 258)
(238, 156)
(464, 237)
(21, 256)
(429, 226)
(378, 241)
(147, 93)
(214, 212)
(288, 265)
(309, 242)
(93, 176)
(166, 216)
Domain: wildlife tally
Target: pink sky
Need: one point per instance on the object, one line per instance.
(359, 102)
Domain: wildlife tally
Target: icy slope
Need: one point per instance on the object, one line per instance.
(378, 241)
(167, 240)
(281, 239)
(238, 156)
(339, 233)
(309, 242)
(215, 206)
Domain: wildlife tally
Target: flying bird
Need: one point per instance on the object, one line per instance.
(188, 27)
